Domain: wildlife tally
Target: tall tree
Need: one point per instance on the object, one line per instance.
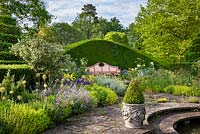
(86, 19)
(61, 33)
(32, 11)
(114, 25)
(167, 27)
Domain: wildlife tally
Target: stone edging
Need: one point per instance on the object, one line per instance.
(167, 125)
(179, 112)
(167, 110)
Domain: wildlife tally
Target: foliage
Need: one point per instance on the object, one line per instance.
(33, 11)
(6, 62)
(103, 95)
(9, 31)
(134, 93)
(114, 25)
(117, 37)
(134, 38)
(193, 100)
(75, 69)
(19, 71)
(57, 112)
(11, 89)
(113, 83)
(61, 33)
(8, 56)
(104, 51)
(42, 56)
(78, 97)
(86, 20)
(192, 54)
(162, 100)
(21, 118)
(167, 27)
(179, 90)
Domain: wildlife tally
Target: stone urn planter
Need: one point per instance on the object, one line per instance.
(134, 115)
(133, 109)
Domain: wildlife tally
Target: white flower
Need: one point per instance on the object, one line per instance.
(19, 97)
(151, 63)
(11, 92)
(45, 85)
(138, 65)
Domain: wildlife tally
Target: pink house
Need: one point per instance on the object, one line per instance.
(103, 68)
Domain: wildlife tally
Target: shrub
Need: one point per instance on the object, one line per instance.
(56, 112)
(114, 83)
(179, 90)
(158, 80)
(103, 95)
(193, 100)
(79, 99)
(162, 100)
(134, 93)
(109, 52)
(42, 56)
(23, 119)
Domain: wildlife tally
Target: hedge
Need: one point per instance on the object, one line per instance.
(109, 52)
(9, 29)
(178, 65)
(12, 62)
(7, 56)
(5, 46)
(7, 20)
(19, 71)
(8, 38)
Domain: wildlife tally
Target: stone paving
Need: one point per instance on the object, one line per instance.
(108, 120)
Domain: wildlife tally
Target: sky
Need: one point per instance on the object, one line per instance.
(124, 10)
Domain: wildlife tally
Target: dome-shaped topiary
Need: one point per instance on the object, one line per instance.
(134, 93)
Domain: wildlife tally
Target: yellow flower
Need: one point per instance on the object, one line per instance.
(2, 89)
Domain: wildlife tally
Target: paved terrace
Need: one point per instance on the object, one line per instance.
(108, 120)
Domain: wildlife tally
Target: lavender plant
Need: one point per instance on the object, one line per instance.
(78, 97)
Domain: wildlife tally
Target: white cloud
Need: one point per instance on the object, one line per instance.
(124, 10)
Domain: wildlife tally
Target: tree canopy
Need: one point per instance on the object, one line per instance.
(166, 27)
(61, 33)
(32, 11)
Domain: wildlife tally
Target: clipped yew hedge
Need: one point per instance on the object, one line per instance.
(10, 29)
(7, 56)
(109, 52)
(5, 19)
(5, 46)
